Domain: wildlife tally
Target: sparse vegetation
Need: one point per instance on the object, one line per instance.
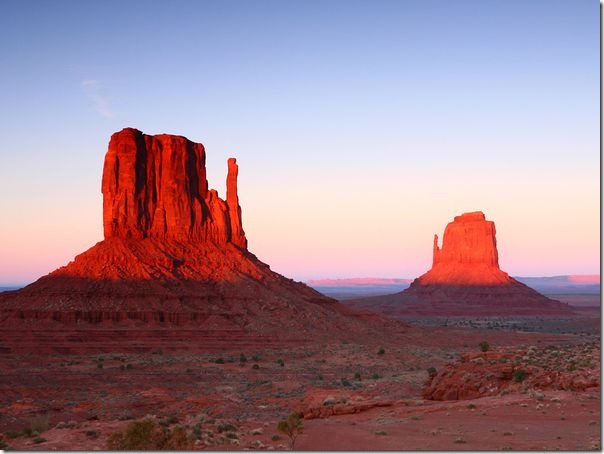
(242, 358)
(256, 367)
(375, 376)
(219, 361)
(381, 351)
(291, 427)
(484, 346)
(357, 376)
(226, 427)
(520, 375)
(432, 371)
(280, 362)
(255, 357)
(146, 435)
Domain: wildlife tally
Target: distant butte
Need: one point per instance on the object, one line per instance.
(465, 279)
(174, 253)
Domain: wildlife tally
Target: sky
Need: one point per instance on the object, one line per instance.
(361, 128)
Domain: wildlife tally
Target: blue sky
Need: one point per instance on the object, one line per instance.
(361, 128)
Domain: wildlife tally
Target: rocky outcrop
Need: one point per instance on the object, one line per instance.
(174, 253)
(465, 280)
(499, 372)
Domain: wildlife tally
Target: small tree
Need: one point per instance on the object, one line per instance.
(292, 427)
(484, 346)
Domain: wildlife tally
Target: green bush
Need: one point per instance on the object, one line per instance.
(520, 375)
(484, 346)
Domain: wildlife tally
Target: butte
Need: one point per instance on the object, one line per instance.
(174, 254)
(465, 279)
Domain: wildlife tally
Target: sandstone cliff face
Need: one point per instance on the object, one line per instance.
(156, 187)
(468, 255)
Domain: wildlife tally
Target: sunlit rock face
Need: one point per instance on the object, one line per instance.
(468, 254)
(156, 187)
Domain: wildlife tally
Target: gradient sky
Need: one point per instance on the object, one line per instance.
(360, 127)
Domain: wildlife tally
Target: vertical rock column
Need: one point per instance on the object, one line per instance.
(232, 199)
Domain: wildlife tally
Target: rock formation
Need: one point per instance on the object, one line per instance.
(174, 252)
(468, 255)
(156, 187)
(465, 279)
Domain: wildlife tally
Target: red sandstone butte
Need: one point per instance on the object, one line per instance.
(174, 252)
(465, 279)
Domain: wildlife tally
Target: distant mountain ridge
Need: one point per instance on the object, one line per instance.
(364, 286)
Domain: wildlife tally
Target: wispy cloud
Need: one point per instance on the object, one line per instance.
(94, 90)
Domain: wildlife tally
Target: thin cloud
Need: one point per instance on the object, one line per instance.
(93, 90)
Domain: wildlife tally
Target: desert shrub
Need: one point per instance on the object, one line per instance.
(177, 440)
(345, 382)
(256, 366)
(375, 376)
(92, 434)
(99, 365)
(5, 446)
(275, 437)
(519, 375)
(39, 440)
(129, 366)
(219, 361)
(146, 435)
(432, 371)
(255, 357)
(242, 358)
(484, 346)
(197, 431)
(39, 424)
(357, 376)
(291, 427)
(381, 351)
(226, 427)
(280, 362)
